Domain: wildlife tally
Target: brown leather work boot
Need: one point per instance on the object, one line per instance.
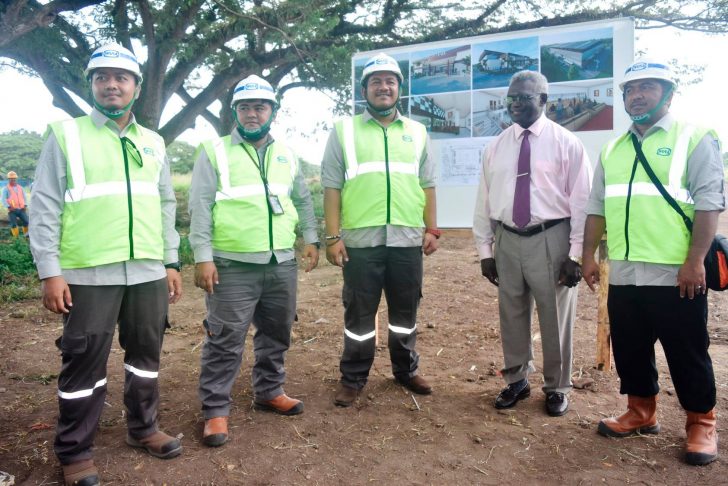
(345, 396)
(282, 404)
(81, 473)
(215, 432)
(702, 444)
(416, 384)
(157, 444)
(640, 418)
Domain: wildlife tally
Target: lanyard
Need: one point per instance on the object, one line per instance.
(263, 171)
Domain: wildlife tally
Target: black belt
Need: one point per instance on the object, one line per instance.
(533, 230)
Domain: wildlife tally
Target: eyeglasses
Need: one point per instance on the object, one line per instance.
(132, 150)
(519, 98)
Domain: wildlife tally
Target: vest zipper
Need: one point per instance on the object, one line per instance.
(386, 165)
(626, 212)
(128, 202)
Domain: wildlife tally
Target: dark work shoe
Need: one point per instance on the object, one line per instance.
(416, 384)
(345, 396)
(157, 444)
(81, 473)
(556, 404)
(510, 395)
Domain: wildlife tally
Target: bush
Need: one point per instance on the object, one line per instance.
(18, 278)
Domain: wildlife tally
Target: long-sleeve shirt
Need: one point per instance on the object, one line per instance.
(705, 183)
(559, 187)
(202, 200)
(333, 176)
(46, 220)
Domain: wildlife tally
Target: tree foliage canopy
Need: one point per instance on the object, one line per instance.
(199, 49)
(19, 152)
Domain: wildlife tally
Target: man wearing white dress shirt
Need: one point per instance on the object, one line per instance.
(528, 225)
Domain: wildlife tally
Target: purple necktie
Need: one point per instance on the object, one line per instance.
(522, 196)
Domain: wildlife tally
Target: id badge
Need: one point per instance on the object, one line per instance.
(275, 204)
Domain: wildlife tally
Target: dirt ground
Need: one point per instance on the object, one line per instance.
(454, 436)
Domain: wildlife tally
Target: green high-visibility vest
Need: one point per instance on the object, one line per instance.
(112, 210)
(382, 173)
(243, 221)
(641, 225)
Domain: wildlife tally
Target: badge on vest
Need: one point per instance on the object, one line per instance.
(275, 204)
(406, 138)
(664, 151)
(281, 159)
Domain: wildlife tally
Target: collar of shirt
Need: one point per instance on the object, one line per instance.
(99, 120)
(366, 116)
(664, 123)
(536, 127)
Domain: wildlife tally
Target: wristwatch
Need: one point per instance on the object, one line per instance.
(175, 266)
(434, 232)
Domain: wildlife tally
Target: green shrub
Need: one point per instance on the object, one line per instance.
(18, 278)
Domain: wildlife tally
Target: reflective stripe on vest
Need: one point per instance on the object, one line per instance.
(649, 217)
(112, 211)
(16, 198)
(382, 176)
(247, 202)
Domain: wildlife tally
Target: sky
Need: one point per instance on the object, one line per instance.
(26, 104)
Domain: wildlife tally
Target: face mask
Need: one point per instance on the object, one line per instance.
(386, 111)
(257, 134)
(648, 117)
(113, 114)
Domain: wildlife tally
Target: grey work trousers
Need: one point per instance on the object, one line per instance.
(528, 272)
(88, 331)
(397, 271)
(264, 295)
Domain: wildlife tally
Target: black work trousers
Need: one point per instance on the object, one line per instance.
(639, 316)
(397, 271)
(88, 331)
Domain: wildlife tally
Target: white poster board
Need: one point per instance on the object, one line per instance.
(456, 88)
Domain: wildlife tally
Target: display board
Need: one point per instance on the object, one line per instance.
(457, 89)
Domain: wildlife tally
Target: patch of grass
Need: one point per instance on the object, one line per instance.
(181, 182)
(18, 278)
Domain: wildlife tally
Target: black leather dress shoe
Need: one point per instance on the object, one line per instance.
(556, 404)
(510, 395)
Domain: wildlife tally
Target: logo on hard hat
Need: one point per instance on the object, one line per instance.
(639, 66)
(111, 53)
(252, 86)
(381, 61)
(664, 151)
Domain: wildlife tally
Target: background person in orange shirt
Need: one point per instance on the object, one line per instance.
(13, 197)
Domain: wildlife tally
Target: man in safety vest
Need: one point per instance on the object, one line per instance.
(13, 198)
(656, 275)
(103, 218)
(246, 197)
(379, 195)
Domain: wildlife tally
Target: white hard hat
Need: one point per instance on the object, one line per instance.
(254, 88)
(113, 56)
(647, 69)
(381, 62)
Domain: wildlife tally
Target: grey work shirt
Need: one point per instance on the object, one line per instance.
(202, 200)
(49, 190)
(333, 176)
(705, 183)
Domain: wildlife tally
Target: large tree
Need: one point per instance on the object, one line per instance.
(199, 49)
